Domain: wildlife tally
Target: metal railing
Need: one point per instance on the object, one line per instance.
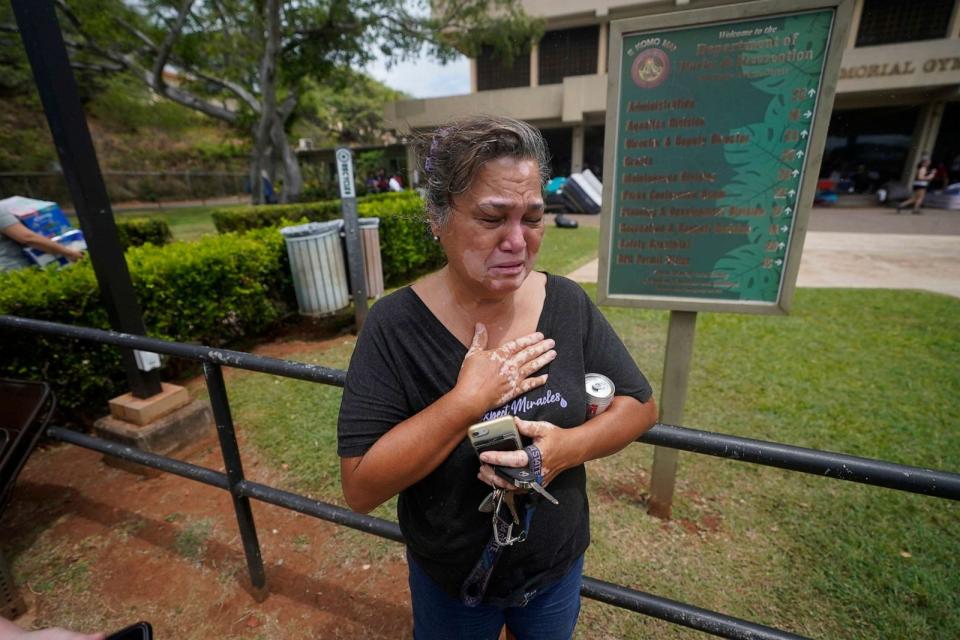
(831, 465)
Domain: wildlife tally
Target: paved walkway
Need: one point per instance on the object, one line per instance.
(868, 248)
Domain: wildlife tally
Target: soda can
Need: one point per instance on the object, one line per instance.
(599, 393)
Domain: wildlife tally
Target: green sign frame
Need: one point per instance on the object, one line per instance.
(715, 127)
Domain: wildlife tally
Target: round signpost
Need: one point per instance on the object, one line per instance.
(351, 226)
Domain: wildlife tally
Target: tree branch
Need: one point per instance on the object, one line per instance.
(163, 54)
(248, 98)
(188, 99)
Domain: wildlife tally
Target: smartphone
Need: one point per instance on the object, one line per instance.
(499, 434)
(139, 631)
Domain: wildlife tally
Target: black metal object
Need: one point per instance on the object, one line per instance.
(832, 465)
(323, 510)
(827, 464)
(231, 460)
(931, 482)
(147, 459)
(711, 622)
(21, 425)
(45, 49)
(225, 357)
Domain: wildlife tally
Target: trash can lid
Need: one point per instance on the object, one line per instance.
(311, 229)
(370, 222)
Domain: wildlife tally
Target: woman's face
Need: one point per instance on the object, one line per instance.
(494, 230)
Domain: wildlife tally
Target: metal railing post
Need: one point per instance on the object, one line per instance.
(832, 465)
(234, 468)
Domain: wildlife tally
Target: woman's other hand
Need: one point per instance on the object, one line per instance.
(546, 436)
(12, 631)
(492, 378)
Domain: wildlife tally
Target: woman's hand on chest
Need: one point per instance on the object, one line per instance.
(490, 378)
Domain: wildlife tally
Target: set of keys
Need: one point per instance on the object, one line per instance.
(521, 478)
(503, 529)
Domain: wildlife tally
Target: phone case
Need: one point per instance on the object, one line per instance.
(499, 434)
(138, 631)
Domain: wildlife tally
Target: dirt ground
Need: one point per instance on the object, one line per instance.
(167, 550)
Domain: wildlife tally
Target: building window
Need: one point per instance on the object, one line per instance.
(888, 21)
(568, 52)
(494, 73)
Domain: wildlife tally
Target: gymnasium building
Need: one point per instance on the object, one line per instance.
(898, 96)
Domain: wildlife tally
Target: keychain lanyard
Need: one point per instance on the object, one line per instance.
(475, 586)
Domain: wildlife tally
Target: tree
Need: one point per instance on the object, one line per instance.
(247, 62)
(331, 115)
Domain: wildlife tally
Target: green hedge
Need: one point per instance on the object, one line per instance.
(136, 232)
(210, 291)
(406, 246)
(271, 215)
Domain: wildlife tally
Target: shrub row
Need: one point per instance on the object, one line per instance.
(271, 215)
(135, 232)
(210, 291)
(406, 246)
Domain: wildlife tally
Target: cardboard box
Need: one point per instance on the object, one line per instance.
(47, 219)
(40, 216)
(73, 239)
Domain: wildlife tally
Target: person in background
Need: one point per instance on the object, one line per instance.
(943, 176)
(920, 184)
(382, 184)
(395, 183)
(11, 631)
(14, 235)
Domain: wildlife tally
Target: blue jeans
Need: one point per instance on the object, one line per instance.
(550, 615)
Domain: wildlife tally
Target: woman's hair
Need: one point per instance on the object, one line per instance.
(452, 155)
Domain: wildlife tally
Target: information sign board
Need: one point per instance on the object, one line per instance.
(715, 126)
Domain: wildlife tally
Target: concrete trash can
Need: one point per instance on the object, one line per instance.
(372, 265)
(318, 267)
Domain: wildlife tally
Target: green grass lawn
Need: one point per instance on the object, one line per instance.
(872, 373)
(187, 223)
(563, 250)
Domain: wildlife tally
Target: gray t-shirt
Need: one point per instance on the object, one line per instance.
(11, 251)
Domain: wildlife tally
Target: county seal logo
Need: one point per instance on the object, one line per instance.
(650, 68)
